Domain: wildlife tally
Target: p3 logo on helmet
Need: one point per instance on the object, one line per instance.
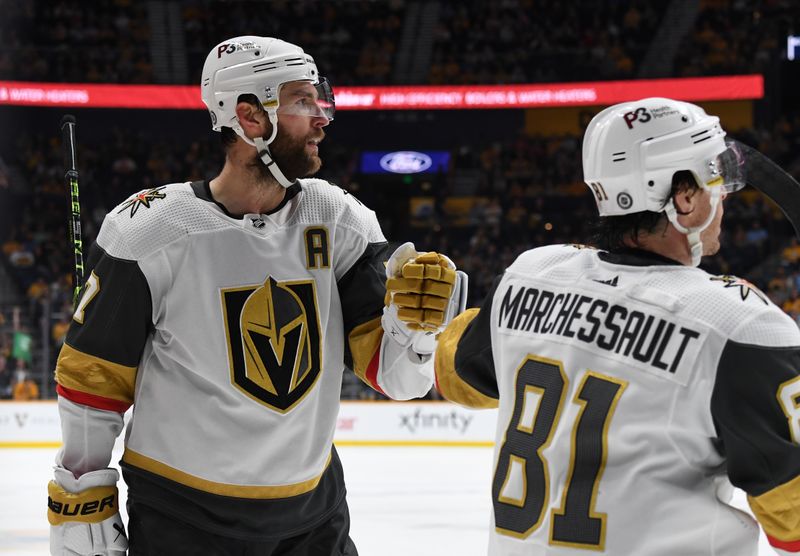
(230, 48)
(638, 115)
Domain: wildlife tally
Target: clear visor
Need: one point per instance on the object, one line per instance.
(314, 101)
(727, 169)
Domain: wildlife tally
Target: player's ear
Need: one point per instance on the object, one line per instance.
(252, 119)
(686, 198)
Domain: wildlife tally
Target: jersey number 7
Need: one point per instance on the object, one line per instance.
(521, 485)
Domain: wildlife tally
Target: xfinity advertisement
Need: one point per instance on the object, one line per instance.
(414, 424)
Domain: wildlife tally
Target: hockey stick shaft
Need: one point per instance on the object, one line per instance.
(774, 182)
(71, 178)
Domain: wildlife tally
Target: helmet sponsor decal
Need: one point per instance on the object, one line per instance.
(230, 48)
(643, 115)
(640, 114)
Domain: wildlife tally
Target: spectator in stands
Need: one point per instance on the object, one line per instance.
(792, 305)
(59, 329)
(38, 289)
(5, 199)
(5, 377)
(779, 287)
(757, 235)
(24, 388)
(791, 254)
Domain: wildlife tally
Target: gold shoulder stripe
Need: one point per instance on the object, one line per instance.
(452, 386)
(778, 511)
(365, 339)
(222, 489)
(86, 373)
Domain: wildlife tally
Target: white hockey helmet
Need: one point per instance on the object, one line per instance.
(631, 151)
(260, 66)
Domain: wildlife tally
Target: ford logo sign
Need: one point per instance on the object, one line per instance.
(406, 162)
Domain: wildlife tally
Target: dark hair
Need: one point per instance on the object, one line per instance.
(227, 135)
(227, 138)
(614, 232)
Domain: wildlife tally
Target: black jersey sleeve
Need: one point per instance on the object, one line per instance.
(362, 290)
(98, 361)
(756, 409)
(464, 363)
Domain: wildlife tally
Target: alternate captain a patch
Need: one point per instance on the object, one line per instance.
(142, 199)
(274, 344)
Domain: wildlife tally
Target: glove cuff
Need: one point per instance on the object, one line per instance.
(394, 328)
(419, 342)
(101, 477)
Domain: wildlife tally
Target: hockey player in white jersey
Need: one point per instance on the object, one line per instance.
(224, 313)
(633, 387)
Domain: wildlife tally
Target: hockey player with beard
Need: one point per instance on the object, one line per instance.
(633, 387)
(224, 312)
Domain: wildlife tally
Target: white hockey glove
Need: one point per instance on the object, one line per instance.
(424, 292)
(84, 514)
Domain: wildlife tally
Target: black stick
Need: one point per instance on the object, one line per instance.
(71, 179)
(774, 182)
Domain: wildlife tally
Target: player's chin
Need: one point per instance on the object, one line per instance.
(314, 165)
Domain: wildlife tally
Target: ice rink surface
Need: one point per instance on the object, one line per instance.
(425, 501)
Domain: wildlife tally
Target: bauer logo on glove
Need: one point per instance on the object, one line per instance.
(92, 506)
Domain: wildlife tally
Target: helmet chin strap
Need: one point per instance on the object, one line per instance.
(693, 234)
(263, 148)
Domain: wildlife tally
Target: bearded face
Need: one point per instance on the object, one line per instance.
(297, 157)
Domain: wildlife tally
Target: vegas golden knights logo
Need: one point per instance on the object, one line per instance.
(274, 346)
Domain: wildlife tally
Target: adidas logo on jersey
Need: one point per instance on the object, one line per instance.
(610, 282)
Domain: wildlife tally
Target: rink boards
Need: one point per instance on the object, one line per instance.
(360, 423)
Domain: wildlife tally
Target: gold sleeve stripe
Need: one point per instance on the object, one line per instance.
(86, 373)
(778, 512)
(222, 489)
(450, 385)
(365, 340)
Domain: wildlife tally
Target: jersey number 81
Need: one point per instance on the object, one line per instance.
(520, 489)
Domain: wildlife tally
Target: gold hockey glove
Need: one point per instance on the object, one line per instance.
(422, 291)
(84, 514)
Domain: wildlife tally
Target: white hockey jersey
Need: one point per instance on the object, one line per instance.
(228, 337)
(631, 388)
